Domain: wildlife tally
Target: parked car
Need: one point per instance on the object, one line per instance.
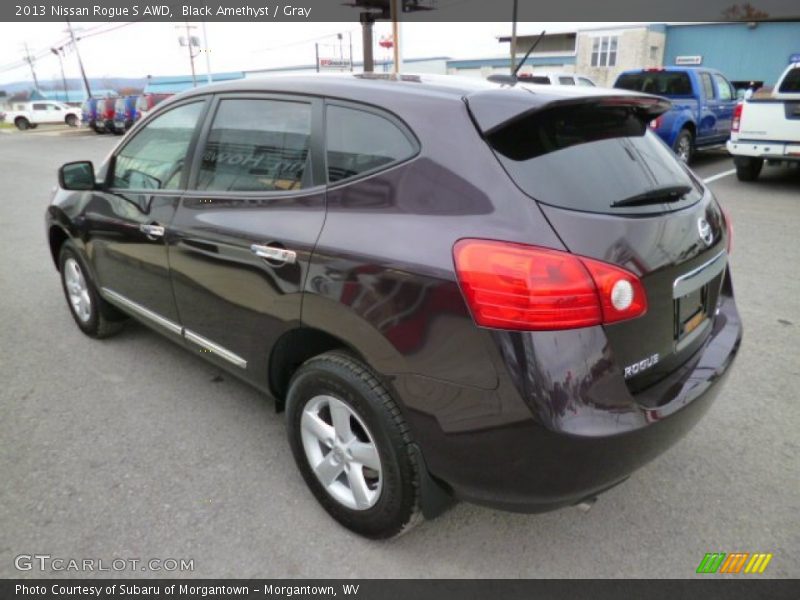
(147, 102)
(703, 101)
(556, 79)
(89, 113)
(42, 112)
(412, 269)
(105, 115)
(767, 127)
(124, 114)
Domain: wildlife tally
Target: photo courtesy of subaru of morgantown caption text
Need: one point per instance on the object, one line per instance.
(513, 295)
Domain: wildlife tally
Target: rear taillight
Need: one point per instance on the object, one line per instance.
(737, 116)
(515, 286)
(655, 123)
(728, 227)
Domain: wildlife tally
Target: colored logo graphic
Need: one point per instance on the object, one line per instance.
(720, 562)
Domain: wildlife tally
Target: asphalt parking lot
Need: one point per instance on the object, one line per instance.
(133, 447)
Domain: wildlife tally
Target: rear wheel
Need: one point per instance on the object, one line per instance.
(684, 146)
(72, 120)
(22, 123)
(93, 315)
(352, 446)
(748, 169)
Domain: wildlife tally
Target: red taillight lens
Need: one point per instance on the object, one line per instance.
(655, 123)
(737, 116)
(515, 286)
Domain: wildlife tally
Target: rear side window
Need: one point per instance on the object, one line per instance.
(661, 83)
(566, 81)
(708, 87)
(257, 146)
(358, 142)
(619, 158)
(40, 107)
(723, 87)
(791, 83)
(540, 79)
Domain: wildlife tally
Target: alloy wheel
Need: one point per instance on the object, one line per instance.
(341, 452)
(77, 290)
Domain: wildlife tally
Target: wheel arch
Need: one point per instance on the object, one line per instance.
(294, 348)
(56, 237)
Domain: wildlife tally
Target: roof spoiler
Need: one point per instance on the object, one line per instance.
(493, 110)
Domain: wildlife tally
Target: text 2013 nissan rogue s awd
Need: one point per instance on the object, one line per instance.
(510, 295)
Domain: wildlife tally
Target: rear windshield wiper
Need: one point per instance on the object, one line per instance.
(672, 193)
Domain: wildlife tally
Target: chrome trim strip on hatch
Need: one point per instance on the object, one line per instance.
(140, 310)
(696, 278)
(215, 348)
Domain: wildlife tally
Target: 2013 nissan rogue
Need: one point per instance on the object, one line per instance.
(507, 294)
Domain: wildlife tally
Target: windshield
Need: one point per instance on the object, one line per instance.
(589, 158)
(661, 83)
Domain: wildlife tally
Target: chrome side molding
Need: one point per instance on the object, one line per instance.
(140, 310)
(173, 327)
(215, 348)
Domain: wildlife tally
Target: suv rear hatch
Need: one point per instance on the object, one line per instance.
(614, 192)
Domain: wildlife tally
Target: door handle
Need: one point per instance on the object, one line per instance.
(281, 255)
(152, 231)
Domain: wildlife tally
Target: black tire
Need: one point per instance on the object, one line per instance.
(338, 375)
(71, 121)
(22, 123)
(748, 169)
(684, 146)
(103, 319)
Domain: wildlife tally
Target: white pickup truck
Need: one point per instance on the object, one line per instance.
(767, 127)
(39, 112)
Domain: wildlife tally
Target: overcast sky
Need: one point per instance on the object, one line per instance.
(144, 48)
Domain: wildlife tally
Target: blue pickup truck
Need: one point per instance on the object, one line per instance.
(703, 102)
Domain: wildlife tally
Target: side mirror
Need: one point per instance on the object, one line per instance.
(77, 176)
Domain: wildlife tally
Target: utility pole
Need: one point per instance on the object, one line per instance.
(80, 62)
(189, 42)
(367, 21)
(316, 53)
(57, 52)
(514, 39)
(395, 37)
(208, 58)
(30, 60)
(350, 33)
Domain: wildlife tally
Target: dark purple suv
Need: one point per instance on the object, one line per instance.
(507, 295)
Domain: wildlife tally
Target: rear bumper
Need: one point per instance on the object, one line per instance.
(773, 150)
(554, 433)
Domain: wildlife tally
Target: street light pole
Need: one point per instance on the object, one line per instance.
(30, 62)
(57, 52)
(514, 39)
(395, 37)
(208, 58)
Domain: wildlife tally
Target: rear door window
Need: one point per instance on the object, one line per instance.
(723, 88)
(361, 141)
(661, 83)
(585, 82)
(566, 81)
(708, 87)
(258, 146)
(619, 159)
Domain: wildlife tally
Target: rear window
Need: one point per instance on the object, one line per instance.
(588, 157)
(791, 83)
(661, 83)
(541, 79)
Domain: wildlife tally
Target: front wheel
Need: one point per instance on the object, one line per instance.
(93, 315)
(684, 146)
(748, 169)
(22, 123)
(352, 446)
